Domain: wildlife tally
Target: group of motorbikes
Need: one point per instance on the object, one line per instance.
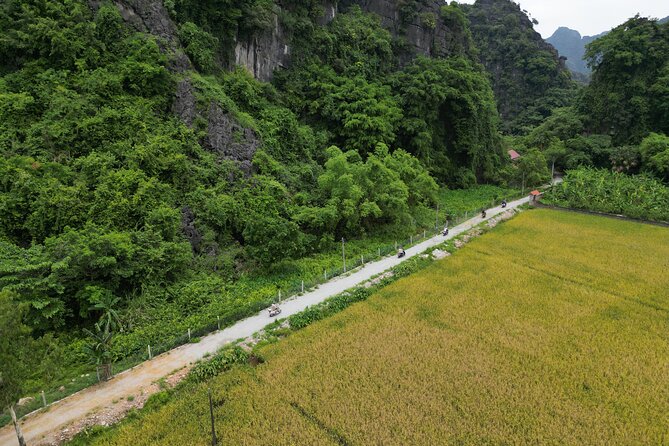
(275, 310)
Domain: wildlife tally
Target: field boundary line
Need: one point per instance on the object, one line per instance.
(600, 214)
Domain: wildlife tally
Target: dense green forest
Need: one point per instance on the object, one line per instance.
(147, 185)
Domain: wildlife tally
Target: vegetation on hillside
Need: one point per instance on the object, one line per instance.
(528, 78)
(111, 204)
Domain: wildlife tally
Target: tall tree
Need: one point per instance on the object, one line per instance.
(630, 84)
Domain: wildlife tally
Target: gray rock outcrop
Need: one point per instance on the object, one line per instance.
(151, 16)
(228, 139)
(263, 53)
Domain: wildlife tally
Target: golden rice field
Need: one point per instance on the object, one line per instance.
(551, 329)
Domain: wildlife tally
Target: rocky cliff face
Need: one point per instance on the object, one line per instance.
(524, 69)
(225, 137)
(424, 32)
(150, 16)
(263, 53)
(424, 29)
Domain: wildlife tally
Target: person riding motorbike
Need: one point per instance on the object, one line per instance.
(401, 253)
(274, 309)
(445, 231)
(483, 214)
(503, 203)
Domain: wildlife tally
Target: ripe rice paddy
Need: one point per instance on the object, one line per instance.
(551, 329)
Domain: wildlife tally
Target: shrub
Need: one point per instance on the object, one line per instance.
(220, 363)
(611, 192)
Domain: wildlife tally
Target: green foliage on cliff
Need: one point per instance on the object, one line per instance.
(527, 77)
(348, 81)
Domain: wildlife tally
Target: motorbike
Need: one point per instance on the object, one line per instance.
(274, 310)
(504, 204)
(444, 232)
(401, 254)
(483, 214)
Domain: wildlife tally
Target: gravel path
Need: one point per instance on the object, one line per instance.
(38, 427)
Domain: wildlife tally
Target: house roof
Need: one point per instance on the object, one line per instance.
(513, 154)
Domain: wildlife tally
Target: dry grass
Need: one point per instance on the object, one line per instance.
(551, 329)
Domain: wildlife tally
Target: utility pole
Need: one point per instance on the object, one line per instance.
(343, 252)
(214, 440)
(436, 220)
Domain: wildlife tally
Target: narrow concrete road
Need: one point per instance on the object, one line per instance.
(38, 425)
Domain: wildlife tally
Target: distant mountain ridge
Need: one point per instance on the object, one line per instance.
(571, 45)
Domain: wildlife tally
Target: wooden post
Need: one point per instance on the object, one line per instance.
(43, 399)
(17, 427)
(343, 252)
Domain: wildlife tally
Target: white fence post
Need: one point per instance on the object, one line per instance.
(303, 286)
(43, 399)
(149, 349)
(189, 334)
(218, 321)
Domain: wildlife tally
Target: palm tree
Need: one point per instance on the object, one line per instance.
(98, 349)
(106, 303)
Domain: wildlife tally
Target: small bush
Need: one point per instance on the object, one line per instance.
(219, 363)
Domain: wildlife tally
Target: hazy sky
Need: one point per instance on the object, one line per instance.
(589, 17)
